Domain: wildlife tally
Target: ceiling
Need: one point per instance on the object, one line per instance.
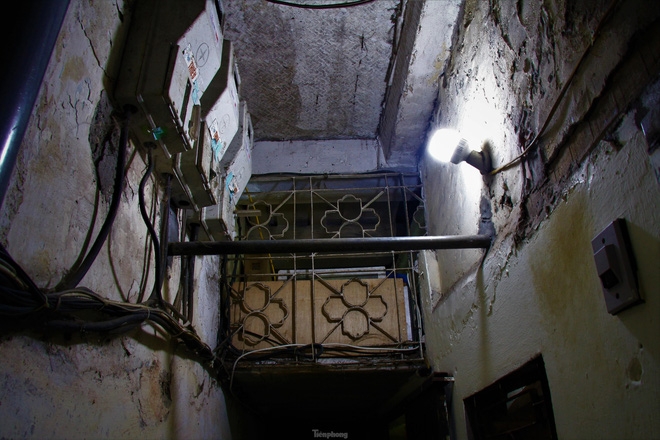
(365, 71)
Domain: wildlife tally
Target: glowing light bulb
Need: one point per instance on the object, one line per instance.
(443, 143)
(447, 145)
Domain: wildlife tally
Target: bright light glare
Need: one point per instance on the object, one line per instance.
(442, 144)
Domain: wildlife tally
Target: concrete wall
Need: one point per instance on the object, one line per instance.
(578, 79)
(134, 385)
(339, 156)
(420, 58)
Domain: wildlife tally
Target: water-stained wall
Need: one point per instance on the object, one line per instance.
(136, 384)
(572, 87)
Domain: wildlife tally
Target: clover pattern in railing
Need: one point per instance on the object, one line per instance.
(355, 299)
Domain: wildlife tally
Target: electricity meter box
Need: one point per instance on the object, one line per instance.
(238, 172)
(199, 175)
(198, 170)
(217, 222)
(222, 114)
(211, 229)
(172, 55)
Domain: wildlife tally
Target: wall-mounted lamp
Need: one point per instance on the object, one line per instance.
(447, 145)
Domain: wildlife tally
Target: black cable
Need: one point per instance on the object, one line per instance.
(190, 280)
(165, 223)
(82, 310)
(320, 6)
(180, 302)
(223, 328)
(34, 291)
(111, 325)
(73, 278)
(316, 351)
(156, 293)
(62, 309)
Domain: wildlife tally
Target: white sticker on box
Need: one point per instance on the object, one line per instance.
(216, 143)
(193, 70)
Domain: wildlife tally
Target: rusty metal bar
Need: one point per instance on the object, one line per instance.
(343, 245)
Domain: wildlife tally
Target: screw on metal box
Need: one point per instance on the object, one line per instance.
(616, 267)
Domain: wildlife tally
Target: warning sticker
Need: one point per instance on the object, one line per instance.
(193, 70)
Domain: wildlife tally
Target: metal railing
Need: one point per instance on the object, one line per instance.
(285, 295)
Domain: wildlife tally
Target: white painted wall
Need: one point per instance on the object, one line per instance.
(539, 292)
(316, 157)
(545, 297)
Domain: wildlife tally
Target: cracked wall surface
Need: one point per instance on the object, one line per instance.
(139, 384)
(567, 85)
(312, 74)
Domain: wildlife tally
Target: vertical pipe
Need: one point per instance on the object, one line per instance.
(32, 28)
(184, 283)
(165, 223)
(194, 234)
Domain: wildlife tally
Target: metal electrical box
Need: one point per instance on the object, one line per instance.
(217, 221)
(238, 169)
(199, 174)
(180, 74)
(171, 56)
(222, 114)
(616, 267)
(176, 69)
(199, 171)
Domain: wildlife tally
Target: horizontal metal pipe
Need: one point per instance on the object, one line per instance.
(341, 245)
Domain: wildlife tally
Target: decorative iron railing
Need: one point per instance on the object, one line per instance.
(324, 305)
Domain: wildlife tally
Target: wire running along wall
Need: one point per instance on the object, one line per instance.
(362, 303)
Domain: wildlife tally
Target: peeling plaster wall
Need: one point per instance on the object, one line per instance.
(577, 83)
(329, 67)
(135, 385)
(420, 60)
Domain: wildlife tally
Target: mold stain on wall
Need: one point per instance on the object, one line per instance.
(539, 291)
(63, 385)
(566, 247)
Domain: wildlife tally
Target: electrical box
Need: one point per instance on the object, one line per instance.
(211, 225)
(217, 222)
(222, 114)
(199, 173)
(238, 170)
(172, 53)
(616, 267)
(199, 169)
(180, 74)
(177, 70)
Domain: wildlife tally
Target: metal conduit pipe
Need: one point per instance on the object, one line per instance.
(32, 28)
(190, 280)
(339, 245)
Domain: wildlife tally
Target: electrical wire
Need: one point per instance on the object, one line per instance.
(156, 292)
(62, 310)
(343, 4)
(21, 278)
(190, 276)
(165, 223)
(74, 277)
(608, 13)
(287, 347)
(71, 308)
